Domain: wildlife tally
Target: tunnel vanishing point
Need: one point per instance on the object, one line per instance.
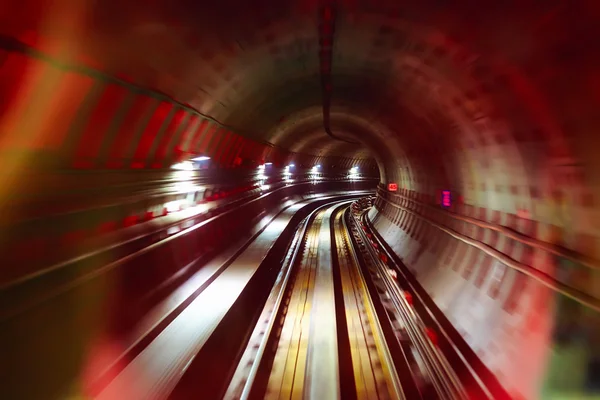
(476, 126)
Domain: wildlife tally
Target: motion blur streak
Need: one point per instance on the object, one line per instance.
(144, 143)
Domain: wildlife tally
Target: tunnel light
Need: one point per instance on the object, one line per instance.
(183, 175)
(173, 206)
(184, 166)
(185, 187)
(291, 165)
(268, 163)
(201, 158)
(261, 172)
(446, 198)
(265, 187)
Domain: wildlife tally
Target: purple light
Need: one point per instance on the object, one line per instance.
(446, 198)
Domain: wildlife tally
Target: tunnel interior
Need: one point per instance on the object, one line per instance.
(484, 117)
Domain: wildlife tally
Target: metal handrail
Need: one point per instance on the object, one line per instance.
(438, 368)
(510, 233)
(542, 277)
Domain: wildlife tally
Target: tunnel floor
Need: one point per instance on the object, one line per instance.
(310, 302)
(307, 305)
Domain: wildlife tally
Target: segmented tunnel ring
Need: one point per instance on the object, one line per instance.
(495, 106)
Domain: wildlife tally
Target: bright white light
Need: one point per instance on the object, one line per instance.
(291, 165)
(184, 166)
(353, 174)
(191, 211)
(174, 205)
(318, 166)
(201, 158)
(183, 175)
(265, 187)
(185, 187)
(261, 177)
(268, 163)
(315, 169)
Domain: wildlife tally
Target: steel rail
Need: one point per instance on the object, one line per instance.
(269, 334)
(553, 249)
(545, 279)
(396, 384)
(443, 378)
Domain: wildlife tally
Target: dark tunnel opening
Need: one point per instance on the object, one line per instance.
(141, 144)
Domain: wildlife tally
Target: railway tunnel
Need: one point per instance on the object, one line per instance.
(140, 141)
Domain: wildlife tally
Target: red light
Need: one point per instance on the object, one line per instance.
(431, 335)
(446, 198)
(392, 187)
(130, 220)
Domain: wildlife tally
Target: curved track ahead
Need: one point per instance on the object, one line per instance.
(329, 330)
(308, 307)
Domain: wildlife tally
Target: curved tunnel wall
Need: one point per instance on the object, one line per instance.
(497, 105)
(493, 274)
(499, 311)
(78, 117)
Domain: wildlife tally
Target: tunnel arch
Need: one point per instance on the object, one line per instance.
(441, 98)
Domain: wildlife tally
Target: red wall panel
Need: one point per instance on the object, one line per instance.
(222, 146)
(204, 141)
(62, 110)
(180, 119)
(192, 130)
(126, 136)
(26, 87)
(95, 130)
(150, 132)
(215, 141)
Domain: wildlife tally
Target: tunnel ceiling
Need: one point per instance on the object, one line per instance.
(442, 95)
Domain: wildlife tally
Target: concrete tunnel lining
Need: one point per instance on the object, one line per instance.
(474, 101)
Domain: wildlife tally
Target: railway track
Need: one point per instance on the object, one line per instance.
(431, 372)
(310, 309)
(321, 333)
